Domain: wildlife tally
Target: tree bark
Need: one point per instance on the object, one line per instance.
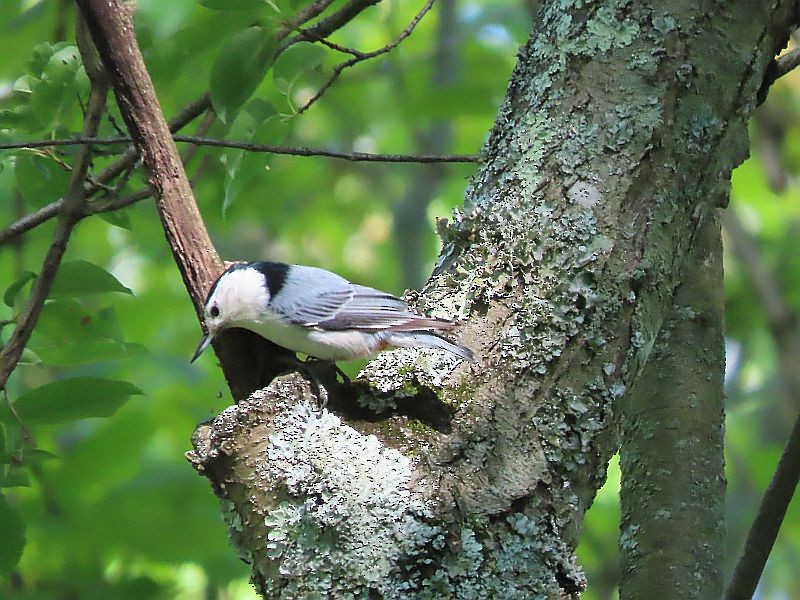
(671, 457)
(621, 124)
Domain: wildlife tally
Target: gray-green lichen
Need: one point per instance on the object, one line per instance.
(348, 516)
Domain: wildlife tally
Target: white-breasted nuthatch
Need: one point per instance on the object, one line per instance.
(318, 313)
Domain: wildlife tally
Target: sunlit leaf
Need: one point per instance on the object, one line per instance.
(83, 278)
(29, 357)
(250, 165)
(70, 399)
(239, 68)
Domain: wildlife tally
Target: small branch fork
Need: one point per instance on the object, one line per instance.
(358, 56)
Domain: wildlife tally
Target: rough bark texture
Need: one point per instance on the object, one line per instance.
(247, 360)
(621, 122)
(673, 477)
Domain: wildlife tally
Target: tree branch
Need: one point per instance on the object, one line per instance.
(199, 140)
(671, 455)
(122, 164)
(111, 25)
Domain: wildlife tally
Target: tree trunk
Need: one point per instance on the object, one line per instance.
(439, 479)
(673, 476)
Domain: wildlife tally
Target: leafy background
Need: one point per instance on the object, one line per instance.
(95, 483)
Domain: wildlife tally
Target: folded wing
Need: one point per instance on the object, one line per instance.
(338, 304)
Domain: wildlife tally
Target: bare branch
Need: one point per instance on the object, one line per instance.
(199, 140)
(358, 56)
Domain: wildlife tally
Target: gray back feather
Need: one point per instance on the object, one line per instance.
(315, 297)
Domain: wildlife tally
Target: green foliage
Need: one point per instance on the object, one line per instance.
(70, 399)
(82, 278)
(13, 539)
(239, 69)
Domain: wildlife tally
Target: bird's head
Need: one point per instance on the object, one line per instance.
(239, 297)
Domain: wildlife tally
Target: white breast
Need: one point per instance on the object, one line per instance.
(325, 345)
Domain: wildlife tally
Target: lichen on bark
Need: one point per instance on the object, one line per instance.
(600, 168)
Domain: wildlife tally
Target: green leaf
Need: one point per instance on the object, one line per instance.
(15, 288)
(71, 399)
(29, 357)
(253, 164)
(239, 68)
(119, 218)
(26, 457)
(17, 476)
(234, 5)
(68, 321)
(62, 80)
(297, 58)
(87, 351)
(13, 539)
(83, 278)
(40, 179)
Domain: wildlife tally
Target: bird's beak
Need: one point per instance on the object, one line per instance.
(204, 343)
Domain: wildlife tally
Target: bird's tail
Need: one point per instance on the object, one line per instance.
(413, 339)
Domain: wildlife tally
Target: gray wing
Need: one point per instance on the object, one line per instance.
(318, 298)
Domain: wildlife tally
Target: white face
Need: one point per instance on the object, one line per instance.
(239, 298)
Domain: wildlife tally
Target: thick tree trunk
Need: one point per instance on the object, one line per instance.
(673, 478)
(622, 122)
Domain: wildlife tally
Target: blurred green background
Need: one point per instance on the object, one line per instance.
(118, 512)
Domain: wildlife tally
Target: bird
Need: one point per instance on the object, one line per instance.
(318, 313)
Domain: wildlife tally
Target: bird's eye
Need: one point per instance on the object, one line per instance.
(214, 312)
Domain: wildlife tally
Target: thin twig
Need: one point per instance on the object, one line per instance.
(70, 214)
(772, 511)
(358, 56)
(199, 140)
